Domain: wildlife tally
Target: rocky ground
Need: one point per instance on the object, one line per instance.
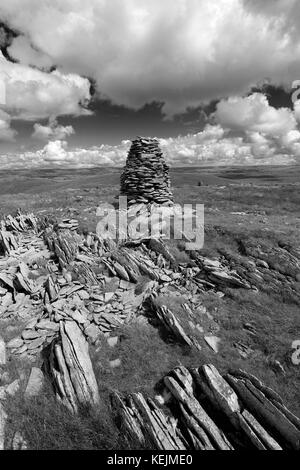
(87, 323)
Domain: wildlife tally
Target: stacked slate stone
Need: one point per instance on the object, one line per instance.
(145, 178)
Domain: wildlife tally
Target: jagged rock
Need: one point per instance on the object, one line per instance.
(253, 416)
(277, 367)
(20, 222)
(180, 384)
(71, 224)
(7, 241)
(243, 350)
(35, 383)
(173, 325)
(70, 368)
(143, 419)
(221, 395)
(203, 407)
(276, 418)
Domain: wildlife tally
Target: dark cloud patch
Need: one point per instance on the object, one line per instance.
(7, 36)
(278, 97)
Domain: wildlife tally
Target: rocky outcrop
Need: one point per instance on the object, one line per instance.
(70, 290)
(70, 369)
(206, 411)
(146, 175)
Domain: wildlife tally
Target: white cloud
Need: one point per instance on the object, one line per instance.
(211, 146)
(247, 131)
(6, 133)
(32, 94)
(52, 131)
(182, 52)
(55, 152)
(254, 114)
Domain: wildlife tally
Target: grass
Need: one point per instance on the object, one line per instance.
(145, 358)
(47, 425)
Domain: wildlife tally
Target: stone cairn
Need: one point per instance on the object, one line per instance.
(145, 178)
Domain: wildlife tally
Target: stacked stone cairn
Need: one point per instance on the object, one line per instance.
(145, 178)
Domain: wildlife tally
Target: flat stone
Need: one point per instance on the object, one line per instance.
(213, 342)
(78, 317)
(36, 343)
(31, 324)
(112, 341)
(47, 325)
(108, 296)
(92, 331)
(15, 343)
(115, 363)
(83, 294)
(35, 383)
(2, 352)
(30, 334)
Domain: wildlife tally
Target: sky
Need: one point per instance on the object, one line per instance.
(212, 79)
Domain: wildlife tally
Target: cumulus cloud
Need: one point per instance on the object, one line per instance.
(56, 153)
(254, 114)
(269, 131)
(32, 94)
(6, 133)
(214, 145)
(181, 53)
(52, 131)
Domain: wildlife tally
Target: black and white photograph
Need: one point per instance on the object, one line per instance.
(149, 228)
